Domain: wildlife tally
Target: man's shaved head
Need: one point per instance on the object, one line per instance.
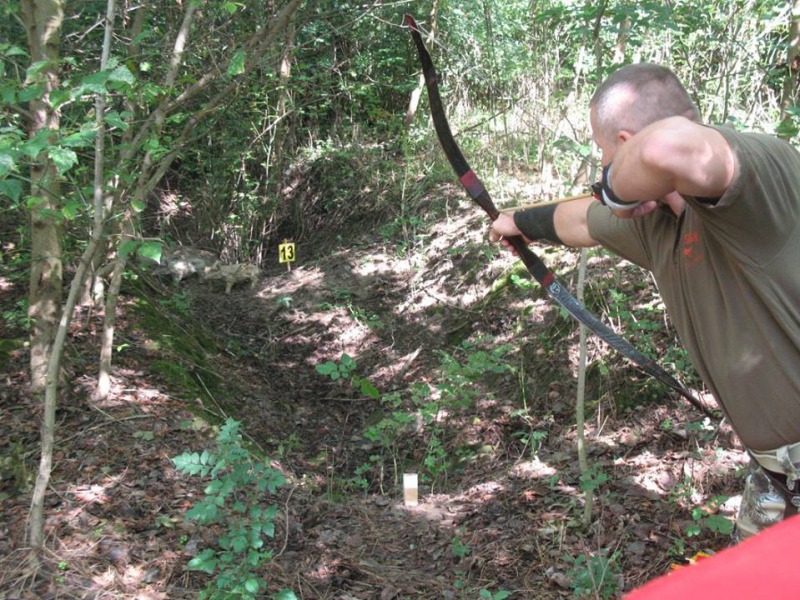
(637, 95)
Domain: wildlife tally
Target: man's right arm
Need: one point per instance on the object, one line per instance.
(568, 221)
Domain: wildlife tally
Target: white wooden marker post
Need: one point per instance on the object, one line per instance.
(410, 489)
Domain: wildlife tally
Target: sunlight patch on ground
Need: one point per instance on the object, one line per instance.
(533, 469)
(91, 494)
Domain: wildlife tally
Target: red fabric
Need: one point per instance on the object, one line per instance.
(765, 566)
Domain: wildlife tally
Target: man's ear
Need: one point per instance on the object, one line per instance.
(623, 136)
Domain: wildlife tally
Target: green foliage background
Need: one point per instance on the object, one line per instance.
(516, 76)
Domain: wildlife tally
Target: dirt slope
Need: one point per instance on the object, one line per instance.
(501, 510)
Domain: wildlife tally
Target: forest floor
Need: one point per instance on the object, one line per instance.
(500, 511)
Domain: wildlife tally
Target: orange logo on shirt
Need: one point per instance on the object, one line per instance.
(691, 249)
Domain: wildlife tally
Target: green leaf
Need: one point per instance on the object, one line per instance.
(151, 250)
(115, 119)
(36, 68)
(327, 368)
(59, 97)
(31, 92)
(719, 524)
(10, 187)
(71, 209)
(369, 389)
(8, 94)
(15, 51)
(252, 585)
(92, 84)
(285, 595)
(35, 145)
(206, 561)
(230, 7)
(7, 164)
(63, 158)
(80, 139)
(125, 249)
(122, 74)
(239, 543)
(236, 66)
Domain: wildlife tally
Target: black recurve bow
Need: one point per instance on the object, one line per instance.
(532, 262)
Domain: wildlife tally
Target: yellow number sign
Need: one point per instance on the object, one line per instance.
(287, 252)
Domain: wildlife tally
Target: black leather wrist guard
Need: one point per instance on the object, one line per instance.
(609, 198)
(538, 223)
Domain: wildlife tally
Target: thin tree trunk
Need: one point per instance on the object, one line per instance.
(128, 222)
(104, 374)
(282, 132)
(580, 402)
(43, 19)
(413, 103)
(622, 41)
(36, 518)
(790, 84)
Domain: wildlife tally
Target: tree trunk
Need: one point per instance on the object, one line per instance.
(790, 84)
(100, 204)
(43, 20)
(413, 102)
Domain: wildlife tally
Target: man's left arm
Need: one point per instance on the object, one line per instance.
(674, 154)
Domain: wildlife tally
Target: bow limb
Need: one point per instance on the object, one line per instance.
(473, 185)
(466, 175)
